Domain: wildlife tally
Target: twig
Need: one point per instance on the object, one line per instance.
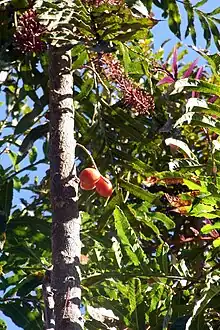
(88, 153)
(49, 319)
(100, 79)
(26, 168)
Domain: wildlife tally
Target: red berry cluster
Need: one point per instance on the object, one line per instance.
(28, 37)
(141, 102)
(90, 179)
(97, 3)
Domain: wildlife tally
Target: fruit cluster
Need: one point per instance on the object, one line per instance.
(90, 179)
(28, 37)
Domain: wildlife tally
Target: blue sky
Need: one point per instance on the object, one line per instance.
(161, 32)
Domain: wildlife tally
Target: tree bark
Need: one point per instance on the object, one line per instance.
(66, 245)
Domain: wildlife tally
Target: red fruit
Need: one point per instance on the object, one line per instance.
(104, 187)
(87, 186)
(88, 178)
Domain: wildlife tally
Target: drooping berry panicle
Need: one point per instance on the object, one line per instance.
(28, 37)
(97, 3)
(135, 97)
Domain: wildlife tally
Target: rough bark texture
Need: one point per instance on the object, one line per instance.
(66, 244)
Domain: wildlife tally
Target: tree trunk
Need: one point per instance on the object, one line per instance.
(66, 243)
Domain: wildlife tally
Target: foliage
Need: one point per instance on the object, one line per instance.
(150, 255)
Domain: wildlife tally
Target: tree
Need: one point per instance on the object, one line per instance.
(150, 252)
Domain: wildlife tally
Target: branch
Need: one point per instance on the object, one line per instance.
(48, 302)
(26, 168)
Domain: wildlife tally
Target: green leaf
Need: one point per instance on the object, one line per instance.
(157, 216)
(200, 209)
(86, 88)
(125, 54)
(123, 227)
(81, 59)
(214, 12)
(194, 186)
(107, 212)
(29, 119)
(162, 257)
(17, 183)
(174, 19)
(3, 325)
(216, 243)
(206, 29)
(196, 119)
(33, 155)
(200, 3)
(128, 238)
(215, 32)
(28, 284)
(13, 156)
(148, 4)
(21, 316)
(137, 191)
(211, 290)
(209, 227)
(134, 294)
(198, 105)
(191, 26)
(6, 197)
(35, 134)
(198, 86)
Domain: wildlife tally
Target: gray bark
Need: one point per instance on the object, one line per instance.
(66, 245)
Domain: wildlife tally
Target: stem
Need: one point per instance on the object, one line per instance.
(88, 153)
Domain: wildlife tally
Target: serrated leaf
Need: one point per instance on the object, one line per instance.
(128, 238)
(199, 86)
(168, 223)
(137, 191)
(211, 290)
(123, 229)
(134, 294)
(198, 105)
(181, 145)
(107, 212)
